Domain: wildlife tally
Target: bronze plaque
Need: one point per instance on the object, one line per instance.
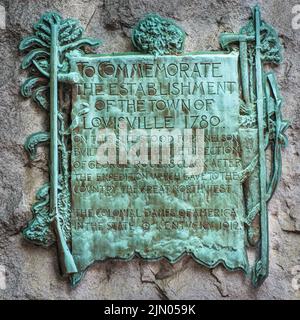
(157, 153)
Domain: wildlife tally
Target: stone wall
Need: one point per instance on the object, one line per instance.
(32, 272)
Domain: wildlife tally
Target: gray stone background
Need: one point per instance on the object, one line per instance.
(30, 272)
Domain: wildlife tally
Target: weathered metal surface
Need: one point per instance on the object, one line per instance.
(162, 208)
(164, 153)
(48, 48)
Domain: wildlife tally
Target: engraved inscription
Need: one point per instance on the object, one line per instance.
(156, 159)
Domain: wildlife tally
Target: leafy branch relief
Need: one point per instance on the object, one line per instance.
(38, 59)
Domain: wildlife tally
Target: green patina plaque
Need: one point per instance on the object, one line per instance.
(155, 203)
(157, 153)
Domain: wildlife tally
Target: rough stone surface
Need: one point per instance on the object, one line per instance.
(32, 272)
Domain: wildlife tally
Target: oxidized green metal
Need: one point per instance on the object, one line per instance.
(158, 36)
(50, 45)
(154, 208)
(201, 189)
